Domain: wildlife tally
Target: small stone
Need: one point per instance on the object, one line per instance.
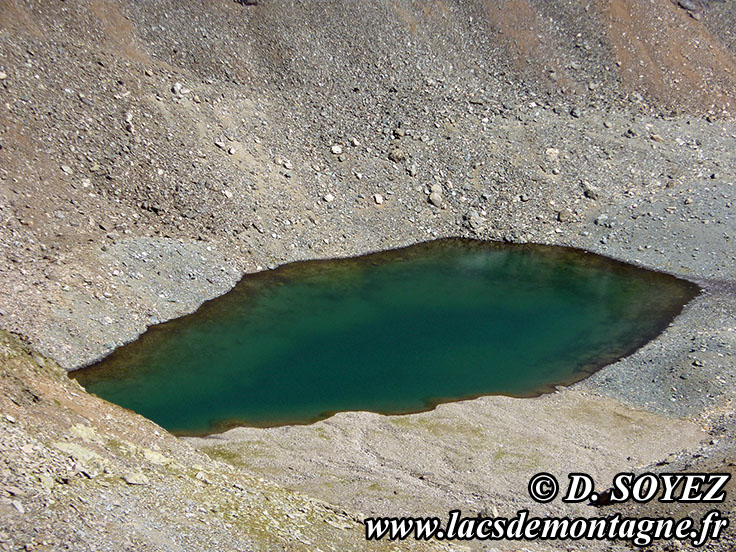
(135, 478)
(287, 165)
(575, 112)
(18, 506)
(435, 189)
(354, 142)
(233, 150)
(397, 155)
(156, 457)
(9, 418)
(553, 154)
(201, 476)
(473, 220)
(228, 194)
(565, 215)
(13, 490)
(524, 198)
(602, 220)
(66, 169)
(435, 199)
(179, 89)
(336, 149)
(329, 198)
(378, 198)
(3, 75)
(688, 201)
(589, 191)
(47, 482)
(698, 362)
(412, 170)
(657, 138)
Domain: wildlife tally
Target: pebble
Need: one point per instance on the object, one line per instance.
(473, 220)
(179, 89)
(591, 192)
(336, 149)
(552, 154)
(329, 198)
(397, 155)
(66, 169)
(603, 220)
(565, 215)
(378, 198)
(3, 75)
(135, 478)
(435, 199)
(201, 476)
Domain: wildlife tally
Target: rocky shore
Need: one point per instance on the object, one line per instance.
(151, 153)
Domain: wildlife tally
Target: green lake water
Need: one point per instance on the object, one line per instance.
(391, 332)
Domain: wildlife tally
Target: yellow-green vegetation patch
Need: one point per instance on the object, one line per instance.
(226, 454)
(322, 433)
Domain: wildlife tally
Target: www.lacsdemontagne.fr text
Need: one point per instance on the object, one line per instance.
(638, 531)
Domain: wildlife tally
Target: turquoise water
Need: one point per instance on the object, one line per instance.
(392, 332)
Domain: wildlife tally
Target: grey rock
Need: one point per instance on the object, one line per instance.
(397, 155)
(590, 191)
(135, 478)
(565, 215)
